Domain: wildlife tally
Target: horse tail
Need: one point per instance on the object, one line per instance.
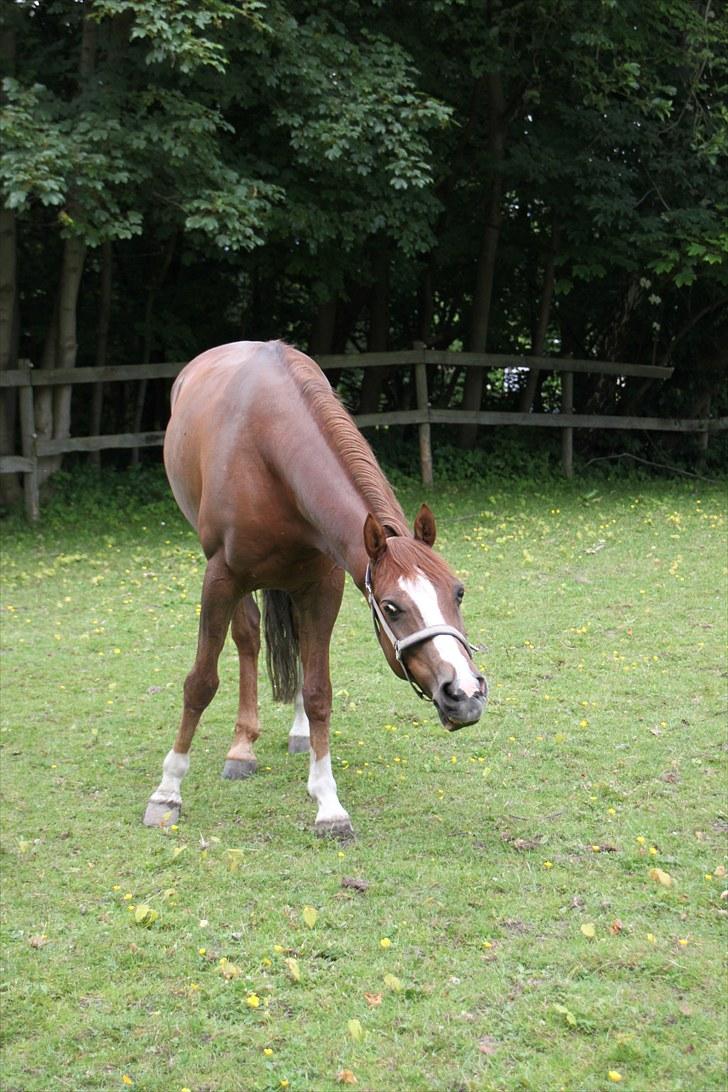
(281, 645)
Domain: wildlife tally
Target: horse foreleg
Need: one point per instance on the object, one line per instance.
(245, 628)
(219, 597)
(299, 737)
(317, 610)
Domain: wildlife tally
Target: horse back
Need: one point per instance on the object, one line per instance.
(233, 409)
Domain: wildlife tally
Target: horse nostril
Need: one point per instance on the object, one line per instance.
(483, 684)
(452, 693)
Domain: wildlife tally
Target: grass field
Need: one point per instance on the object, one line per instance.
(532, 903)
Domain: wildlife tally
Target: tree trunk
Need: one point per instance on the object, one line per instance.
(43, 400)
(378, 336)
(351, 305)
(140, 386)
(53, 411)
(483, 292)
(102, 344)
(538, 340)
(8, 285)
(53, 404)
(156, 283)
(322, 330)
(10, 491)
(74, 257)
(444, 193)
(426, 306)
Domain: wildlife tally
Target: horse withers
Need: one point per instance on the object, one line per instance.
(286, 497)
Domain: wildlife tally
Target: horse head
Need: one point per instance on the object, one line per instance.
(415, 600)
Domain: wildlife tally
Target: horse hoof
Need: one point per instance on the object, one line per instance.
(237, 769)
(298, 745)
(340, 829)
(161, 813)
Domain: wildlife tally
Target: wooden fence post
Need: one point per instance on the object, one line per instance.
(27, 440)
(423, 407)
(567, 434)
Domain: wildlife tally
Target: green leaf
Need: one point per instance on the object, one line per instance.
(294, 971)
(356, 1031)
(144, 915)
(566, 1013)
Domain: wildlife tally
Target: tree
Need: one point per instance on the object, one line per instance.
(496, 176)
(89, 145)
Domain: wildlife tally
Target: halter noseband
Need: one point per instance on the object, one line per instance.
(416, 638)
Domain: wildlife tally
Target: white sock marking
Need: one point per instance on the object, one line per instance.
(300, 726)
(174, 768)
(423, 593)
(322, 787)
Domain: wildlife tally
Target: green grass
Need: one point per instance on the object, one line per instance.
(599, 759)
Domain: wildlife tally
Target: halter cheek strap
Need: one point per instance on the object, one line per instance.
(401, 645)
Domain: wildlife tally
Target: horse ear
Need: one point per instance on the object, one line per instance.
(425, 527)
(375, 538)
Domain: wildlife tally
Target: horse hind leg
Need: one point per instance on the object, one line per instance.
(299, 737)
(219, 598)
(317, 609)
(284, 664)
(241, 761)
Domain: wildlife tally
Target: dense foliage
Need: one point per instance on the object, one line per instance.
(506, 175)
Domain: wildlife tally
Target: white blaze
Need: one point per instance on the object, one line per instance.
(423, 594)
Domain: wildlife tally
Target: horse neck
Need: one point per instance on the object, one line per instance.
(336, 506)
(335, 476)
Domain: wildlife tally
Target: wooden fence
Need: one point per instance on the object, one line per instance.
(33, 448)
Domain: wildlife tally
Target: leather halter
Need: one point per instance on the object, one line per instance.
(401, 645)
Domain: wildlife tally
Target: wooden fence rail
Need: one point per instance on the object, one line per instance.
(33, 448)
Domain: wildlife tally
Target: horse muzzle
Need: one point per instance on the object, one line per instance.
(458, 709)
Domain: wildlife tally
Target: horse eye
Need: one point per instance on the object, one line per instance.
(391, 609)
(459, 593)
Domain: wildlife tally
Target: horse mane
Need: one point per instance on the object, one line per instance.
(344, 439)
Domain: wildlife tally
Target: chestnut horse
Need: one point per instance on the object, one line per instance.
(287, 496)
